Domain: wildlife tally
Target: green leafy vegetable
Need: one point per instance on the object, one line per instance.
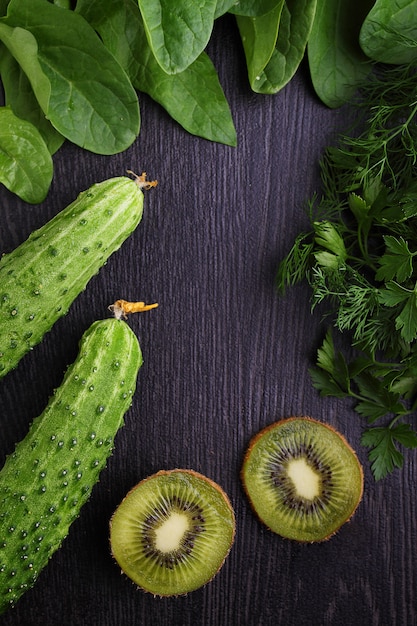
(25, 161)
(384, 454)
(275, 43)
(253, 8)
(119, 25)
(404, 299)
(20, 97)
(294, 31)
(177, 31)
(389, 32)
(79, 85)
(397, 261)
(359, 260)
(64, 4)
(259, 36)
(222, 7)
(193, 97)
(337, 63)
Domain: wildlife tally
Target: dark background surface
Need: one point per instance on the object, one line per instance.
(224, 357)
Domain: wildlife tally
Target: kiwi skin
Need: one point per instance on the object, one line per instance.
(223, 508)
(357, 467)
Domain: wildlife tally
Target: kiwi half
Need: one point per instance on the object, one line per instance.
(172, 532)
(302, 478)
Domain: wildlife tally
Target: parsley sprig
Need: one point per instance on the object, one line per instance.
(360, 260)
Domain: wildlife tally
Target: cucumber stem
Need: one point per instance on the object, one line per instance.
(141, 181)
(122, 308)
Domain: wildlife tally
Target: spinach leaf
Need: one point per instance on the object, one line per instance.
(253, 8)
(119, 25)
(294, 30)
(64, 4)
(259, 36)
(389, 32)
(177, 31)
(337, 64)
(223, 7)
(294, 26)
(193, 97)
(25, 162)
(79, 85)
(20, 97)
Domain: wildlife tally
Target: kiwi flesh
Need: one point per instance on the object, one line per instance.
(172, 532)
(302, 479)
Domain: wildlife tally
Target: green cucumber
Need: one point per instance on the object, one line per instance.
(40, 279)
(50, 475)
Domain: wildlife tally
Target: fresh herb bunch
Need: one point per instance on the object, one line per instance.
(360, 260)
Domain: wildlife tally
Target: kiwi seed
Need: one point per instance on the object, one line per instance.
(302, 479)
(172, 532)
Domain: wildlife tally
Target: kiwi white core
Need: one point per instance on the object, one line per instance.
(305, 480)
(169, 534)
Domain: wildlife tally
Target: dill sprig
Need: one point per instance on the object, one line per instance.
(360, 260)
(386, 150)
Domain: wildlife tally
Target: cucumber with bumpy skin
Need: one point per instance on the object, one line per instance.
(40, 279)
(50, 475)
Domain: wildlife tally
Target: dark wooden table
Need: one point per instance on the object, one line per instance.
(224, 357)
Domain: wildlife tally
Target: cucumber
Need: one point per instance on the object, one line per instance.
(40, 279)
(50, 475)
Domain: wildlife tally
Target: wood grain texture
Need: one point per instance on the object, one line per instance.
(224, 356)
